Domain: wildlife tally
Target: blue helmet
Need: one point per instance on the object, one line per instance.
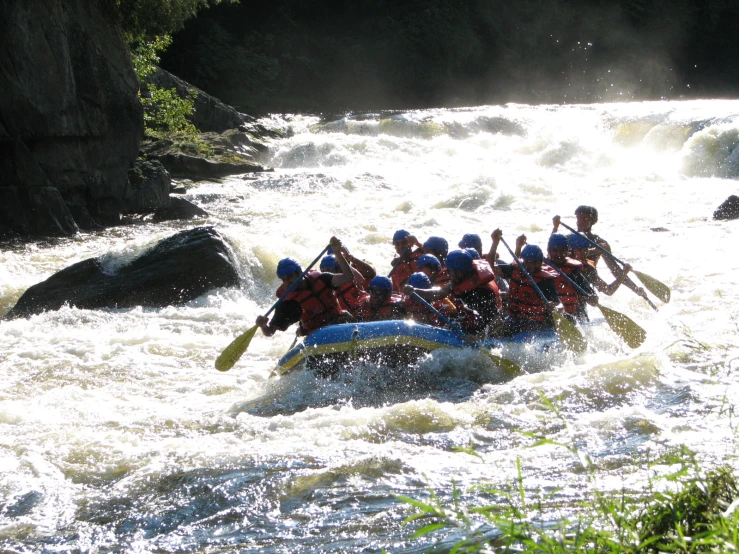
(557, 240)
(471, 240)
(429, 260)
(381, 282)
(400, 234)
(287, 266)
(437, 244)
(419, 281)
(329, 263)
(532, 253)
(578, 241)
(459, 260)
(472, 253)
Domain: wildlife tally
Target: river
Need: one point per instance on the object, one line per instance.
(118, 435)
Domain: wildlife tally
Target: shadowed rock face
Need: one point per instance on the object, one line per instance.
(729, 209)
(70, 119)
(174, 271)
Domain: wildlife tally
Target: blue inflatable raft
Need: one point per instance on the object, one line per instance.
(391, 343)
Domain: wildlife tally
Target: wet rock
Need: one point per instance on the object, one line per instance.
(179, 208)
(71, 118)
(729, 209)
(149, 187)
(192, 167)
(210, 113)
(174, 271)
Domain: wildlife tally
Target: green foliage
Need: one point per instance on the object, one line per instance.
(165, 112)
(145, 53)
(700, 515)
(151, 18)
(328, 56)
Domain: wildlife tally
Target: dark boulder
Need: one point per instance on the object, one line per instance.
(174, 271)
(179, 208)
(71, 118)
(192, 167)
(210, 113)
(729, 209)
(149, 187)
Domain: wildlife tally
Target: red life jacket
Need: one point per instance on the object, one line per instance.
(350, 297)
(523, 300)
(392, 308)
(318, 303)
(442, 278)
(483, 277)
(403, 270)
(420, 313)
(567, 292)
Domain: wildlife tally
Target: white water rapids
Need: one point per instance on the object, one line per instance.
(118, 435)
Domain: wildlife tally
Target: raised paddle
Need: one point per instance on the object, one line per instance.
(657, 288)
(508, 366)
(236, 349)
(623, 326)
(568, 333)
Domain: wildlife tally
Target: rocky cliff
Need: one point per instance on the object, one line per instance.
(70, 120)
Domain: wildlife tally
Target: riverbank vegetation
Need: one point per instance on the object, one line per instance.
(331, 56)
(682, 508)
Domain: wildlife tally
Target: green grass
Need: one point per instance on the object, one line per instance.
(688, 511)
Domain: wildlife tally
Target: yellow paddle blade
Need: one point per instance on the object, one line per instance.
(235, 350)
(657, 288)
(570, 335)
(509, 367)
(624, 327)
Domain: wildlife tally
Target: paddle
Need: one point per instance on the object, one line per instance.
(507, 366)
(568, 333)
(236, 349)
(657, 288)
(623, 326)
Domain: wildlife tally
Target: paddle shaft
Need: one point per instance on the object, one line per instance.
(569, 279)
(296, 282)
(455, 328)
(526, 273)
(599, 247)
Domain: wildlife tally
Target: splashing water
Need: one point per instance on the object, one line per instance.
(117, 433)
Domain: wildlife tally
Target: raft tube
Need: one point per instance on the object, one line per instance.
(392, 343)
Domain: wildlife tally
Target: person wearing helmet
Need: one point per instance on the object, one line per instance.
(586, 217)
(404, 263)
(471, 240)
(431, 266)
(579, 247)
(381, 303)
(527, 311)
(312, 303)
(350, 293)
(419, 312)
(366, 271)
(573, 300)
(437, 246)
(472, 287)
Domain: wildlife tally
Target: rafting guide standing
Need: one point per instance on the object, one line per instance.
(586, 217)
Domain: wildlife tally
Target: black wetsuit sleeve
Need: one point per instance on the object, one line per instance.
(286, 313)
(483, 301)
(549, 290)
(582, 282)
(506, 269)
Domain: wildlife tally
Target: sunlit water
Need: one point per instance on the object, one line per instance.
(117, 434)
